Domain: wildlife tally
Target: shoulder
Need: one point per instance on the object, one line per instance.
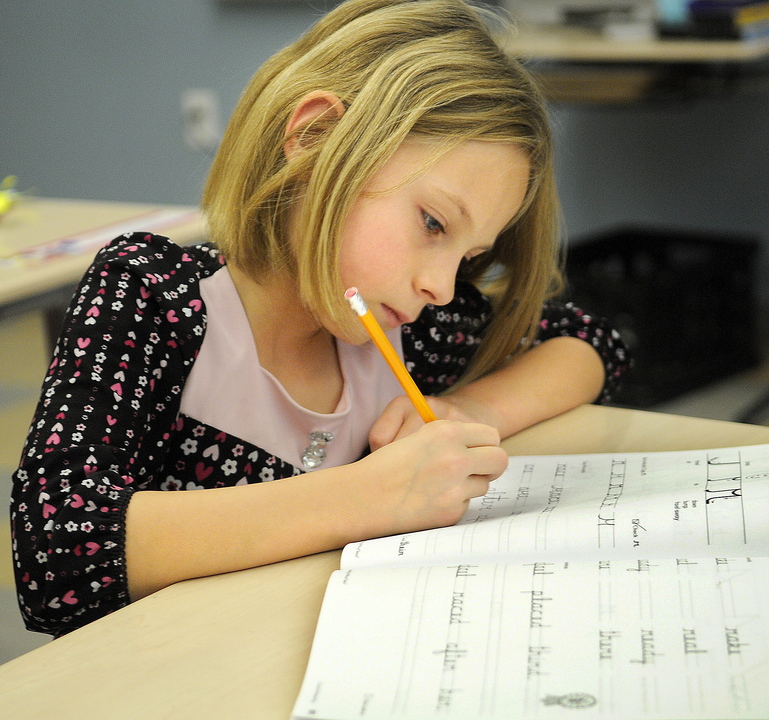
(140, 282)
(156, 258)
(154, 266)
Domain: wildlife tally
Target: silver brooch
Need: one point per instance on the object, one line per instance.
(315, 453)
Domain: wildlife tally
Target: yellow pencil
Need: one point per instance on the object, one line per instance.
(388, 352)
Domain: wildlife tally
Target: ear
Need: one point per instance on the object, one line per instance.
(311, 107)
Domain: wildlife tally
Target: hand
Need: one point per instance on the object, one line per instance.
(427, 478)
(400, 418)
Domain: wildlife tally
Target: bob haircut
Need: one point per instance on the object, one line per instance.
(427, 69)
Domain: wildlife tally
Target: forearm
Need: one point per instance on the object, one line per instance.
(173, 536)
(553, 377)
(425, 480)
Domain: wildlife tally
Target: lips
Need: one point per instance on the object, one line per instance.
(393, 317)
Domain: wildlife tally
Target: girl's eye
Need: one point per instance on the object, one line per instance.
(431, 224)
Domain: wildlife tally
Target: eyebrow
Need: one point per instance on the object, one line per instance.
(464, 212)
(457, 201)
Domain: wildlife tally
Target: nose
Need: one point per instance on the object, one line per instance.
(436, 281)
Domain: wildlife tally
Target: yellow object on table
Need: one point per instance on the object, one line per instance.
(7, 194)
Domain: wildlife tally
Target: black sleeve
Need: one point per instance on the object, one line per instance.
(111, 394)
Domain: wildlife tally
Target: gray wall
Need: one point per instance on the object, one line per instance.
(90, 107)
(90, 90)
(702, 164)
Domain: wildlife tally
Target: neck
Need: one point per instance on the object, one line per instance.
(292, 345)
(280, 323)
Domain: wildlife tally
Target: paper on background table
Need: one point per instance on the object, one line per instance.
(95, 238)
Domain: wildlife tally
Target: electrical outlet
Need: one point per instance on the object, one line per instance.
(201, 119)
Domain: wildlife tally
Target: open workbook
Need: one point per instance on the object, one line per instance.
(618, 586)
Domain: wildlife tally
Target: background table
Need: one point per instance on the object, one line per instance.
(236, 646)
(577, 65)
(47, 244)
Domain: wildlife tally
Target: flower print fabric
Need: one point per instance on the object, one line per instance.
(108, 423)
(440, 344)
(106, 417)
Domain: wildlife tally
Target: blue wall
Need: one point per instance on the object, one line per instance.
(90, 107)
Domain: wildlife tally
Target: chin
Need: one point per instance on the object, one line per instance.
(352, 334)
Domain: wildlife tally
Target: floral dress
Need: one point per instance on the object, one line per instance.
(109, 424)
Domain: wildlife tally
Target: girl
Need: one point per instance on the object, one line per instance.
(395, 148)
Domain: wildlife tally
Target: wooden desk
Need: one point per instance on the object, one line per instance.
(47, 244)
(576, 65)
(236, 646)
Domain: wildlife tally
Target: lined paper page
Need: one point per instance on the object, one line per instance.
(688, 503)
(632, 639)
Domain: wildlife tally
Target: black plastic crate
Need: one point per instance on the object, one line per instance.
(684, 303)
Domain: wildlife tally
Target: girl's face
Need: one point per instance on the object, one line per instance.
(408, 232)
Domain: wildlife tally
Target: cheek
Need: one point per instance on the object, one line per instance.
(368, 270)
(373, 250)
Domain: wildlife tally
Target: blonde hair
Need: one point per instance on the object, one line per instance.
(401, 68)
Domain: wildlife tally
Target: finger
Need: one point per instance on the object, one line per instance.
(477, 486)
(388, 425)
(480, 435)
(488, 462)
(411, 423)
